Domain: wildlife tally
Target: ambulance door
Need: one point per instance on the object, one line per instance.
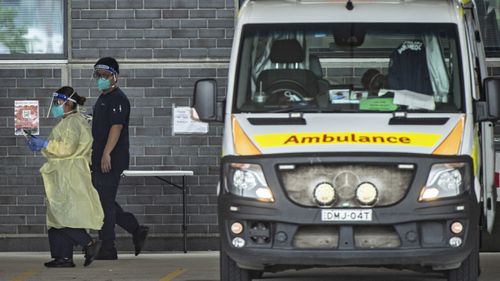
(486, 129)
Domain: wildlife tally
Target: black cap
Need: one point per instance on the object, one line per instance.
(109, 61)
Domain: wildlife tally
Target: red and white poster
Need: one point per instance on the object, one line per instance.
(27, 120)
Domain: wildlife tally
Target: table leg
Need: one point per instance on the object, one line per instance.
(184, 211)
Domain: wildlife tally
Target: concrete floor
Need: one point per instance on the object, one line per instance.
(145, 267)
(196, 266)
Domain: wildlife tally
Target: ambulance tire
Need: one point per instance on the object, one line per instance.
(468, 270)
(229, 270)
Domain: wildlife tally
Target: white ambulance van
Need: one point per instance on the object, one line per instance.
(355, 134)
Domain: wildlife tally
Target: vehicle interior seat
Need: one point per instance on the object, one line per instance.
(287, 54)
(408, 68)
(315, 66)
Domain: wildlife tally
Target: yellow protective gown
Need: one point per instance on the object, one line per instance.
(71, 199)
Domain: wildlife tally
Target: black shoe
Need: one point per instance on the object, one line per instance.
(106, 254)
(139, 238)
(91, 251)
(60, 262)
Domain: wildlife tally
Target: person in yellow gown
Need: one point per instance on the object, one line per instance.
(72, 202)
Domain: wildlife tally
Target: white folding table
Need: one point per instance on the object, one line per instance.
(160, 175)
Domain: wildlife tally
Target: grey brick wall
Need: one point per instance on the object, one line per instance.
(152, 29)
(22, 208)
(163, 47)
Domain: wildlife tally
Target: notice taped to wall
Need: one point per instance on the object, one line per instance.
(183, 123)
(26, 113)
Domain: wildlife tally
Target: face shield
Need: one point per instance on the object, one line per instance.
(59, 100)
(102, 75)
(103, 71)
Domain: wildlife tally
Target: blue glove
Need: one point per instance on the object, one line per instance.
(37, 144)
(30, 144)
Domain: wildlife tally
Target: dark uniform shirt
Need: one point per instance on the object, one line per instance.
(111, 109)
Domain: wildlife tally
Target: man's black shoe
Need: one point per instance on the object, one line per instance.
(106, 254)
(60, 262)
(91, 251)
(139, 238)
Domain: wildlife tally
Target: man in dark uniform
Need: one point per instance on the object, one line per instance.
(110, 156)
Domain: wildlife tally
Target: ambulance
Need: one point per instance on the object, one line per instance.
(356, 133)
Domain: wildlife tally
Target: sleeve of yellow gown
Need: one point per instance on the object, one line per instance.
(63, 141)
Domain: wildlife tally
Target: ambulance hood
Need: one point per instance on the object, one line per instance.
(324, 132)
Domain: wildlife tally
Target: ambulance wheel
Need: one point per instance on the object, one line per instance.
(229, 270)
(468, 270)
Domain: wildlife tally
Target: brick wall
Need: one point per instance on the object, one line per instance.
(152, 29)
(22, 208)
(163, 47)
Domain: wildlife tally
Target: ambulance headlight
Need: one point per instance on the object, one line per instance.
(247, 180)
(445, 180)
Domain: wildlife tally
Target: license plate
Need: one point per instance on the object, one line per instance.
(346, 215)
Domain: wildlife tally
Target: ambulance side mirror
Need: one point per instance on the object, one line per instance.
(205, 100)
(489, 109)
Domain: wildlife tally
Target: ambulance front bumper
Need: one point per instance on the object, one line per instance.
(283, 234)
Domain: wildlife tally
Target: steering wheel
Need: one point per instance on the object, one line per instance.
(287, 91)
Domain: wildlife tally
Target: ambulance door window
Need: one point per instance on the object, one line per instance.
(473, 58)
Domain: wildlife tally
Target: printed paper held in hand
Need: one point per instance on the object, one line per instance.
(414, 100)
(26, 117)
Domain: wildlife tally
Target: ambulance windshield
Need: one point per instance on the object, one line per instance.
(349, 68)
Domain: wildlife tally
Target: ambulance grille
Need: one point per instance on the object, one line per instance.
(391, 183)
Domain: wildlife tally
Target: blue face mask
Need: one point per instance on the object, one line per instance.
(103, 84)
(57, 111)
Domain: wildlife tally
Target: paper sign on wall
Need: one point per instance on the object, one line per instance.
(183, 123)
(26, 114)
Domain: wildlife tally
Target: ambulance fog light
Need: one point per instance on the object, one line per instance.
(366, 193)
(456, 227)
(236, 228)
(324, 194)
(238, 242)
(455, 242)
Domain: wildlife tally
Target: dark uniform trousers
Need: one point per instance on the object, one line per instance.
(62, 241)
(107, 187)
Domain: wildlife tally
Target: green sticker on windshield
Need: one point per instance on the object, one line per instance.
(378, 104)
